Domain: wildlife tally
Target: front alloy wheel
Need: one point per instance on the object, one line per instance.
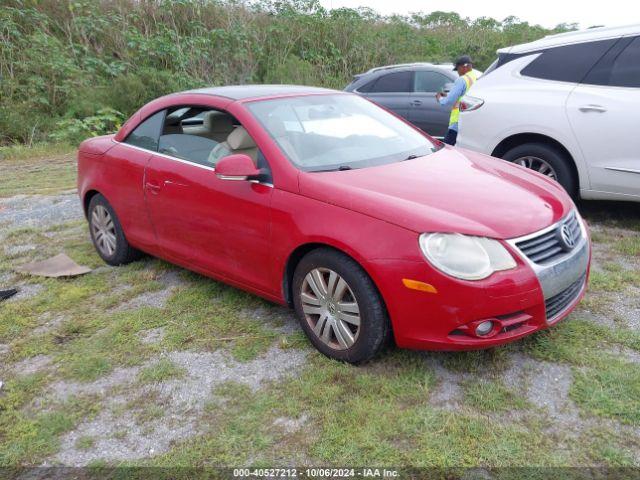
(339, 307)
(330, 308)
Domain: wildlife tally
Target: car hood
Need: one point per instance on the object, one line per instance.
(452, 190)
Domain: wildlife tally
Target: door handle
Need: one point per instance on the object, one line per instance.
(416, 103)
(592, 108)
(152, 187)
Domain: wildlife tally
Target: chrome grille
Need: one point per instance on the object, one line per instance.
(556, 304)
(548, 246)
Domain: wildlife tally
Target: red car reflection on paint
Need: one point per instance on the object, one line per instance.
(323, 201)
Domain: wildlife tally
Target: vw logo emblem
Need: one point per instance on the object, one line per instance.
(568, 242)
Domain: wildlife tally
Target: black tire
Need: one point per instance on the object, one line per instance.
(557, 159)
(123, 253)
(374, 332)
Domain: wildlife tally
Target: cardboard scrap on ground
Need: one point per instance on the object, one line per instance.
(59, 266)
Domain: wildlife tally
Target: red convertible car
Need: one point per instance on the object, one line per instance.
(323, 201)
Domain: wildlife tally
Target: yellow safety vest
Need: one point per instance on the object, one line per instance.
(469, 78)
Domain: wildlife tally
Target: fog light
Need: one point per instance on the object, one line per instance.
(484, 328)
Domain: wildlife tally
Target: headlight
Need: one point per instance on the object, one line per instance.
(465, 257)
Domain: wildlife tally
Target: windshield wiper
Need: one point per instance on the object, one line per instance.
(339, 168)
(412, 157)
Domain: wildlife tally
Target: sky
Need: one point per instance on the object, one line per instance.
(547, 13)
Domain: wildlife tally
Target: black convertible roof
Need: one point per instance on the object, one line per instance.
(240, 92)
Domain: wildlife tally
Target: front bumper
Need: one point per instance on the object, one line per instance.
(520, 301)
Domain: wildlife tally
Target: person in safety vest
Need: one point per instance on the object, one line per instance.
(464, 67)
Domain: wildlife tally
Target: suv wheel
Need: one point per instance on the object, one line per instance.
(339, 307)
(547, 160)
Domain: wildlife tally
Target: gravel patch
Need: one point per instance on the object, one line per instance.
(625, 354)
(546, 385)
(291, 425)
(15, 250)
(49, 323)
(152, 336)
(448, 392)
(170, 280)
(6, 278)
(40, 210)
(4, 351)
(26, 292)
(118, 432)
(32, 365)
(282, 319)
(62, 390)
(156, 299)
(626, 308)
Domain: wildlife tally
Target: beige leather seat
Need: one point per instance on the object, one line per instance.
(238, 141)
(215, 125)
(218, 125)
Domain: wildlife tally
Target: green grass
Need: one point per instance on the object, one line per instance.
(43, 169)
(159, 372)
(85, 443)
(492, 396)
(375, 414)
(610, 389)
(629, 246)
(613, 278)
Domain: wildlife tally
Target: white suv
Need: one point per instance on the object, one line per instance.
(567, 106)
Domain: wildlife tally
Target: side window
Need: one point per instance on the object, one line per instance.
(204, 136)
(400, 82)
(195, 134)
(366, 88)
(429, 81)
(569, 63)
(626, 68)
(146, 134)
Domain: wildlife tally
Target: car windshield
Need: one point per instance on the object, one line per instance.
(342, 131)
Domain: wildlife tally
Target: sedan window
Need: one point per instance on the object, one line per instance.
(204, 136)
(400, 82)
(194, 133)
(427, 81)
(146, 134)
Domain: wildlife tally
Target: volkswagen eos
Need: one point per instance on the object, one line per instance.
(323, 201)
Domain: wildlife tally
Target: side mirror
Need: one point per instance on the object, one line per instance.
(237, 167)
(447, 87)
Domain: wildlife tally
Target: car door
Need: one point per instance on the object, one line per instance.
(126, 163)
(219, 226)
(425, 111)
(392, 91)
(604, 112)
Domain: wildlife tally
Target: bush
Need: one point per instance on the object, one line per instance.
(63, 62)
(73, 130)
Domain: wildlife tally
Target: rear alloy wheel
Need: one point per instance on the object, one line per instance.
(547, 160)
(107, 234)
(339, 307)
(103, 230)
